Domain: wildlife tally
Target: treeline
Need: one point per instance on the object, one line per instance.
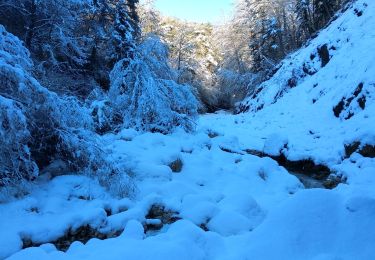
(261, 34)
(72, 42)
(226, 62)
(71, 71)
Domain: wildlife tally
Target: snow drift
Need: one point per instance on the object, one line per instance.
(323, 96)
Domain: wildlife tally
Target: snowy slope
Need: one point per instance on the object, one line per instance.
(320, 108)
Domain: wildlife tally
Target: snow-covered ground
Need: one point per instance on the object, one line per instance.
(251, 207)
(224, 203)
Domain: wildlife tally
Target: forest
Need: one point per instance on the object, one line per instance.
(126, 133)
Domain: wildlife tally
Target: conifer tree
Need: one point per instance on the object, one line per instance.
(126, 29)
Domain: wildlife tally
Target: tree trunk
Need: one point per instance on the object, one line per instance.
(31, 28)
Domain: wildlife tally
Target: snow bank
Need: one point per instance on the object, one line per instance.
(320, 109)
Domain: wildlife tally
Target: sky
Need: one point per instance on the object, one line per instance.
(212, 11)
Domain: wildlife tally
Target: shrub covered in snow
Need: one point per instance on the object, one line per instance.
(39, 128)
(144, 92)
(50, 119)
(15, 159)
(104, 117)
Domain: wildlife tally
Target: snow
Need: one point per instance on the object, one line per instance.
(245, 213)
(252, 207)
(304, 114)
(275, 144)
(321, 225)
(146, 95)
(229, 198)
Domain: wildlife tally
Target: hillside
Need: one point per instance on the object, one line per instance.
(322, 97)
